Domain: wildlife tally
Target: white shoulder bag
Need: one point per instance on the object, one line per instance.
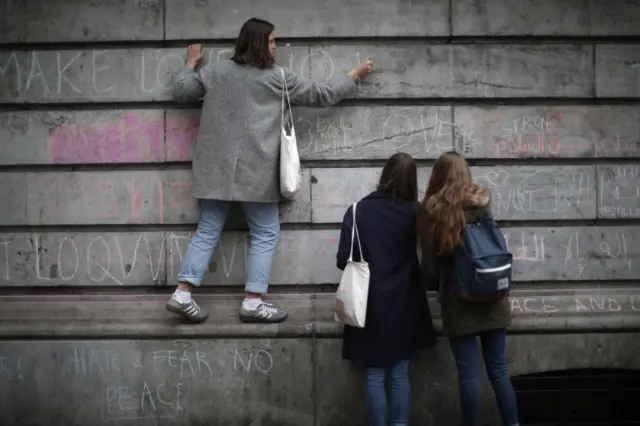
(290, 173)
(353, 291)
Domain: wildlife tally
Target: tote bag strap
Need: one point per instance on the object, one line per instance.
(355, 236)
(285, 91)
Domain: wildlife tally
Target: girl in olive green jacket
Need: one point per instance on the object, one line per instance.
(450, 201)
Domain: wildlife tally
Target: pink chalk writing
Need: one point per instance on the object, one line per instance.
(562, 131)
(133, 139)
(182, 131)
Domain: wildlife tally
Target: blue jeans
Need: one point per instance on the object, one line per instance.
(376, 395)
(264, 228)
(465, 352)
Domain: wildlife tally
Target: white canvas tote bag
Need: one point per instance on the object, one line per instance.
(290, 173)
(353, 291)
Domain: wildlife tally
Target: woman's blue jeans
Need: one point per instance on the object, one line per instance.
(376, 395)
(264, 229)
(465, 352)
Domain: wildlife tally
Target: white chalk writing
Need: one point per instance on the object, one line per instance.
(10, 368)
(109, 259)
(619, 190)
(553, 191)
(575, 304)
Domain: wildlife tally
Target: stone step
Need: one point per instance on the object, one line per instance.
(310, 314)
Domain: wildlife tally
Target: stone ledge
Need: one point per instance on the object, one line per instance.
(143, 316)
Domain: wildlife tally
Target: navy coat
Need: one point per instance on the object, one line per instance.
(398, 319)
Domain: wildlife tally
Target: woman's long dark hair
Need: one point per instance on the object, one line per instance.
(400, 178)
(252, 44)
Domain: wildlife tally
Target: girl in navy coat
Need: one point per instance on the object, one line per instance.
(398, 320)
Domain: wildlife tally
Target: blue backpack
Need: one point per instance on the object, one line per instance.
(481, 263)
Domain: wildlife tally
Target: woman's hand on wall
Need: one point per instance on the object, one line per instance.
(362, 70)
(194, 55)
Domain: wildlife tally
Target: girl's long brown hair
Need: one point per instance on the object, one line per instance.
(443, 216)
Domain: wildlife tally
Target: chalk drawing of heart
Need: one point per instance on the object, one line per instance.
(497, 178)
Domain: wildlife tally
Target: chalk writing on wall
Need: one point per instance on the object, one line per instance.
(575, 305)
(538, 191)
(98, 74)
(10, 368)
(165, 377)
(619, 191)
(128, 74)
(132, 136)
(573, 253)
(130, 381)
(82, 259)
(550, 131)
(540, 253)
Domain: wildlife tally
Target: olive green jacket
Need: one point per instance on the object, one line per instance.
(460, 317)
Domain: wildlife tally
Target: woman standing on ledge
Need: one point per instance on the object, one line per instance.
(236, 156)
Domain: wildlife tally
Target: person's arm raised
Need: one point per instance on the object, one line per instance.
(186, 85)
(310, 93)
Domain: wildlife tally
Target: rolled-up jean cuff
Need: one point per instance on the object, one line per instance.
(257, 288)
(194, 281)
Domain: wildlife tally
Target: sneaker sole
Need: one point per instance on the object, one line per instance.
(182, 313)
(254, 320)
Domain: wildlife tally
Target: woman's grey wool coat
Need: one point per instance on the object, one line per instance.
(237, 153)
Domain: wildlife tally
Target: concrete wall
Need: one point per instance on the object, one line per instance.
(95, 187)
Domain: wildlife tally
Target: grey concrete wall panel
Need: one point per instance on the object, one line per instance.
(618, 70)
(105, 197)
(540, 193)
(302, 257)
(436, 402)
(615, 17)
(411, 71)
(303, 18)
(377, 132)
(82, 259)
(618, 191)
(528, 17)
(545, 18)
(104, 75)
(407, 71)
(82, 137)
(518, 192)
(573, 254)
(13, 193)
(547, 131)
(182, 382)
(34, 21)
(334, 190)
(124, 197)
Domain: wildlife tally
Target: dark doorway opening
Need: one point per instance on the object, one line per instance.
(579, 397)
